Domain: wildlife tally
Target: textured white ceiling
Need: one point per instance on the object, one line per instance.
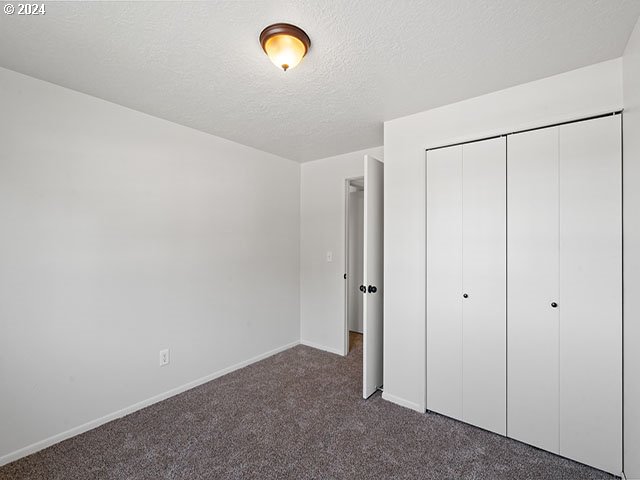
(200, 64)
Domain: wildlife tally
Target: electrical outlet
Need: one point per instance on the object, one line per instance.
(164, 357)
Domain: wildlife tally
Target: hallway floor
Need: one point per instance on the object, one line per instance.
(296, 415)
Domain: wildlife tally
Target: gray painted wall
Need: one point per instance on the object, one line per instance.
(122, 234)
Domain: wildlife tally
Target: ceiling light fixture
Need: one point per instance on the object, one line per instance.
(284, 44)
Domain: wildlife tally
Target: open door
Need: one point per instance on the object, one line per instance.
(373, 275)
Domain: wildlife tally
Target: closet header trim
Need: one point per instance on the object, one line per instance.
(618, 112)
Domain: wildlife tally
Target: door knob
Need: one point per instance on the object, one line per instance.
(554, 304)
(363, 289)
(372, 289)
(464, 295)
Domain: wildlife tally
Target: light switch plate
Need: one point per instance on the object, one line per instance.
(329, 257)
(164, 357)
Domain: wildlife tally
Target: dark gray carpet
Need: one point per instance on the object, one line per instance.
(296, 415)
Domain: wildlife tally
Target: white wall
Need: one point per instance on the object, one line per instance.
(122, 234)
(322, 229)
(631, 124)
(356, 259)
(579, 93)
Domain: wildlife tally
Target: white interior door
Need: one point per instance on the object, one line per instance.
(532, 186)
(590, 302)
(444, 281)
(373, 275)
(484, 328)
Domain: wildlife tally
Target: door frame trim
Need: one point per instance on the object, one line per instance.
(347, 186)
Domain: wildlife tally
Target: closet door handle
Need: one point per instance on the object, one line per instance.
(464, 295)
(363, 289)
(372, 289)
(554, 305)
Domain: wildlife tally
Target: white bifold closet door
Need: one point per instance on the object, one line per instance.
(565, 291)
(444, 281)
(466, 283)
(533, 276)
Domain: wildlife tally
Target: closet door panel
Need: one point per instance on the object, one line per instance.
(590, 302)
(444, 281)
(484, 281)
(532, 199)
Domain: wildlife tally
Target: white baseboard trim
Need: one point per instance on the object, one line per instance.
(47, 442)
(321, 347)
(402, 402)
